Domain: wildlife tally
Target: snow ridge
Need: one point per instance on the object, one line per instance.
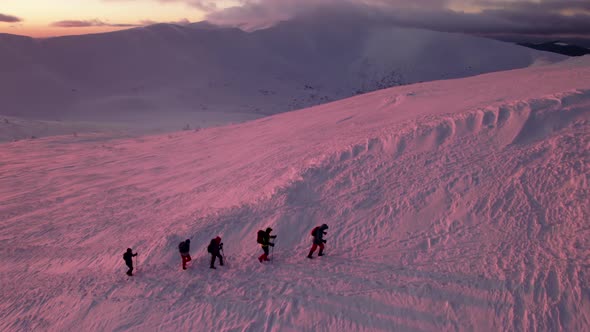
(388, 207)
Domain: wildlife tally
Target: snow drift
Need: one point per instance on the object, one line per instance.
(455, 205)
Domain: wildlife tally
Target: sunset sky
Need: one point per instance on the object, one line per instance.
(41, 18)
(45, 17)
(63, 17)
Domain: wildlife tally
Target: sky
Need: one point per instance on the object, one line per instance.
(42, 18)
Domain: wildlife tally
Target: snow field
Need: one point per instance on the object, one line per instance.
(452, 205)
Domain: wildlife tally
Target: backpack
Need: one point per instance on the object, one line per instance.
(313, 231)
(260, 237)
(181, 247)
(210, 246)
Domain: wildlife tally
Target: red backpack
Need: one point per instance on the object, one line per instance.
(313, 231)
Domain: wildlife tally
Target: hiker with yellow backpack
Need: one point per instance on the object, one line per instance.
(263, 238)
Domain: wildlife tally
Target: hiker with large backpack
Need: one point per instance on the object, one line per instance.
(214, 248)
(318, 240)
(263, 238)
(184, 249)
(128, 257)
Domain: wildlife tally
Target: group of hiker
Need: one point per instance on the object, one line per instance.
(215, 248)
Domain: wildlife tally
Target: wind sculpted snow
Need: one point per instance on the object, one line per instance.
(455, 205)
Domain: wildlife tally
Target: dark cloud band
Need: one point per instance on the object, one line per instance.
(88, 23)
(536, 6)
(495, 22)
(546, 17)
(9, 18)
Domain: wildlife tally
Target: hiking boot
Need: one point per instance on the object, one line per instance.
(212, 267)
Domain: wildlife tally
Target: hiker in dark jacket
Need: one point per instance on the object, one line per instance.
(318, 240)
(129, 260)
(265, 242)
(214, 247)
(184, 248)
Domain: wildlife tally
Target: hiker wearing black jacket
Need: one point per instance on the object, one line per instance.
(318, 240)
(264, 238)
(214, 249)
(184, 248)
(129, 260)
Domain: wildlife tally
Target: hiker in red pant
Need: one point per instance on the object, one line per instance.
(318, 240)
(184, 248)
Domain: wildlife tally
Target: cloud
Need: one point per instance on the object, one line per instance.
(9, 18)
(88, 23)
(536, 6)
(183, 21)
(495, 22)
(252, 14)
(482, 17)
(99, 23)
(485, 17)
(203, 5)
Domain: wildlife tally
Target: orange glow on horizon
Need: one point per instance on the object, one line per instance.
(38, 17)
(45, 32)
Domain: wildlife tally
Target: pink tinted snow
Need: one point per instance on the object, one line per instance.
(452, 205)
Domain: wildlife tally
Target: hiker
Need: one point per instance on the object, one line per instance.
(318, 240)
(214, 249)
(129, 260)
(263, 238)
(184, 248)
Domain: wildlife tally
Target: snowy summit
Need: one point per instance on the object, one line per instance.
(166, 76)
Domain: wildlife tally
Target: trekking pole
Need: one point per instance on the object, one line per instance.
(272, 256)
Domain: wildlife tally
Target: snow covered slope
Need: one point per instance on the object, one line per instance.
(14, 129)
(455, 205)
(171, 75)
